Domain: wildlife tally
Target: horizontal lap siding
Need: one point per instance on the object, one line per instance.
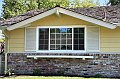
(16, 40)
(110, 39)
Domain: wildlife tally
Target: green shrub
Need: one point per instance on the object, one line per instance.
(98, 76)
(36, 72)
(9, 72)
(60, 73)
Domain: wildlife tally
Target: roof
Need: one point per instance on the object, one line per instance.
(109, 14)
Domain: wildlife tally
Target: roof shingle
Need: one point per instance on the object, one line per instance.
(110, 14)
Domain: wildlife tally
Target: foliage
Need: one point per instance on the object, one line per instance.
(114, 2)
(84, 3)
(2, 39)
(13, 8)
(36, 72)
(16, 7)
(61, 72)
(98, 76)
(9, 72)
(52, 3)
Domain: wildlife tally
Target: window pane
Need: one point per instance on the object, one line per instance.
(81, 41)
(42, 30)
(69, 35)
(43, 38)
(78, 38)
(52, 47)
(63, 47)
(52, 36)
(69, 47)
(81, 47)
(61, 39)
(57, 30)
(63, 35)
(63, 30)
(57, 47)
(69, 41)
(41, 47)
(58, 41)
(58, 36)
(46, 35)
(75, 47)
(81, 30)
(46, 41)
(76, 41)
(41, 35)
(41, 41)
(76, 30)
(52, 41)
(69, 30)
(52, 30)
(81, 35)
(45, 46)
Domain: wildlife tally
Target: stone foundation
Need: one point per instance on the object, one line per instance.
(2, 64)
(107, 65)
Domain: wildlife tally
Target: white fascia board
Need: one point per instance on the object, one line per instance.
(53, 56)
(32, 19)
(86, 18)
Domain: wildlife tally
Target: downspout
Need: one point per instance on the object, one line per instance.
(5, 71)
(5, 63)
(6, 52)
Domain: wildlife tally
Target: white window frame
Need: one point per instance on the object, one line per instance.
(61, 51)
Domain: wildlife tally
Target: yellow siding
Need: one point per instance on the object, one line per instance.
(16, 40)
(54, 20)
(16, 50)
(110, 39)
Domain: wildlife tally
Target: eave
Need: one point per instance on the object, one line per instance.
(58, 10)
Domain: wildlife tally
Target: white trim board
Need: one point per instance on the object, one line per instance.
(54, 56)
(64, 11)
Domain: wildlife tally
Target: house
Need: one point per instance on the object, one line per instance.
(64, 41)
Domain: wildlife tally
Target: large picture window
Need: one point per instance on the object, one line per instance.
(61, 39)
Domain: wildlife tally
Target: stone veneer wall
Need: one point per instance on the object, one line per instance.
(2, 64)
(108, 65)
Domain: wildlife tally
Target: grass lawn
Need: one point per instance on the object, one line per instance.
(46, 77)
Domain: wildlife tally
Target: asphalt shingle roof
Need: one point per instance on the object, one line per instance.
(110, 14)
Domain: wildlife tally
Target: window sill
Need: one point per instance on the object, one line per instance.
(61, 51)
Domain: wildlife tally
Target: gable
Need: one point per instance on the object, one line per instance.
(58, 11)
(54, 20)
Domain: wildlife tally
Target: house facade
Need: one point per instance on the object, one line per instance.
(64, 41)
